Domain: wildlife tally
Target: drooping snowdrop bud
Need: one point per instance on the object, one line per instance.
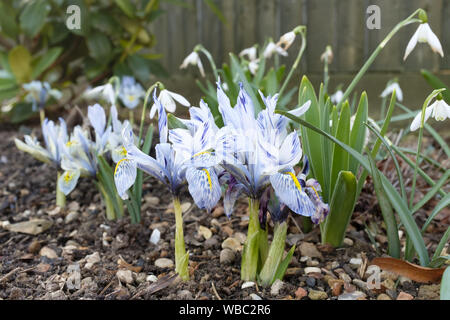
(337, 97)
(193, 59)
(424, 34)
(286, 40)
(253, 66)
(327, 55)
(167, 99)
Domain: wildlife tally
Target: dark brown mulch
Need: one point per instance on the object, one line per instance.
(27, 190)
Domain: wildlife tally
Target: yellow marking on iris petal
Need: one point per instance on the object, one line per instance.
(200, 153)
(118, 163)
(68, 177)
(69, 143)
(131, 98)
(123, 152)
(297, 184)
(209, 178)
(317, 194)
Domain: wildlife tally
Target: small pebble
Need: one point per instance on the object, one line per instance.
(300, 293)
(254, 296)
(383, 296)
(151, 278)
(48, 252)
(310, 282)
(317, 295)
(404, 296)
(276, 287)
(125, 276)
(356, 295)
(348, 242)
(227, 256)
(247, 284)
(312, 269)
(34, 247)
(232, 243)
(185, 295)
(155, 237)
(164, 263)
(310, 250)
(71, 216)
(205, 232)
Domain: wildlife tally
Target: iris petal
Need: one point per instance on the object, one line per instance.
(204, 187)
(68, 181)
(124, 176)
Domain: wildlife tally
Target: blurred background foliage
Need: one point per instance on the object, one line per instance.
(115, 38)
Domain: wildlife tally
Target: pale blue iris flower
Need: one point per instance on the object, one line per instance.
(131, 92)
(115, 142)
(55, 136)
(196, 144)
(259, 153)
(80, 153)
(167, 167)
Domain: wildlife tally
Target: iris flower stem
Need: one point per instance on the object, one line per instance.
(380, 47)
(296, 62)
(42, 115)
(249, 263)
(276, 251)
(60, 196)
(131, 117)
(181, 257)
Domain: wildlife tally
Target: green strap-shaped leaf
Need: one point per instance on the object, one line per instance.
(396, 200)
(359, 131)
(436, 83)
(341, 209)
(445, 285)
(340, 157)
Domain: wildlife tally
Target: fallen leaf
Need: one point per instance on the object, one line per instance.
(122, 263)
(409, 270)
(32, 227)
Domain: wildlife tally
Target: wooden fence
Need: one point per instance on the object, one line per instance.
(340, 23)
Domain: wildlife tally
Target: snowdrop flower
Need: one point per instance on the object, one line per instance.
(167, 98)
(253, 66)
(250, 53)
(39, 92)
(424, 34)
(193, 59)
(131, 92)
(272, 48)
(390, 88)
(55, 136)
(439, 110)
(337, 97)
(286, 40)
(105, 92)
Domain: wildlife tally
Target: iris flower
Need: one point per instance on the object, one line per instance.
(55, 136)
(131, 92)
(424, 34)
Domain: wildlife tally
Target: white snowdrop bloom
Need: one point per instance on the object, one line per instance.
(424, 34)
(337, 97)
(439, 110)
(253, 66)
(105, 91)
(167, 99)
(390, 88)
(193, 59)
(271, 49)
(251, 53)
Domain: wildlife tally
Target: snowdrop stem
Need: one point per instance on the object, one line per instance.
(131, 117)
(60, 196)
(202, 49)
(380, 47)
(419, 143)
(250, 252)
(181, 257)
(144, 109)
(326, 77)
(302, 32)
